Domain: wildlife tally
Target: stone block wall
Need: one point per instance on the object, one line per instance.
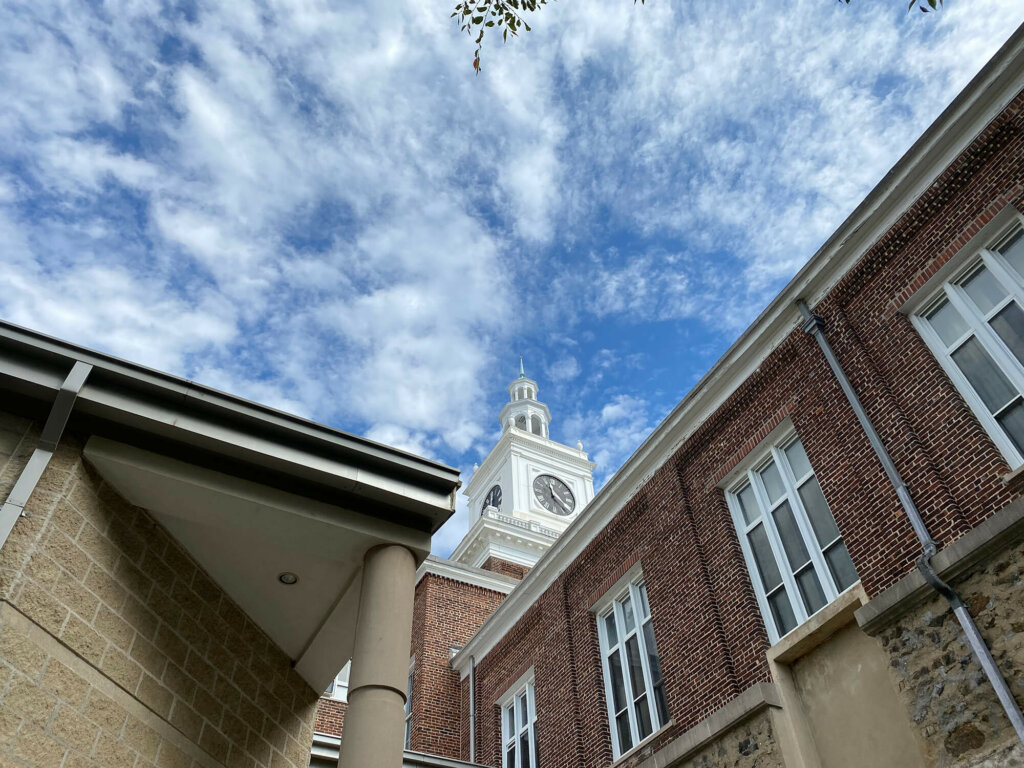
(944, 689)
(117, 649)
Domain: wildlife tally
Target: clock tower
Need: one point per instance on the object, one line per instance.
(528, 489)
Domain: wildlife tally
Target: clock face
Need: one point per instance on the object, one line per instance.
(492, 499)
(554, 495)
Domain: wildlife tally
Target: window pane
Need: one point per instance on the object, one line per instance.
(1012, 422)
(652, 653)
(765, 559)
(510, 722)
(645, 608)
(792, 541)
(748, 504)
(772, 482)
(948, 323)
(510, 757)
(628, 622)
(810, 590)
(636, 672)
(618, 686)
(822, 522)
(798, 459)
(655, 664)
(524, 713)
(984, 290)
(609, 626)
(782, 612)
(536, 748)
(1014, 253)
(643, 718)
(524, 749)
(988, 381)
(659, 699)
(841, 565)
(1009, 324)
(625, 736)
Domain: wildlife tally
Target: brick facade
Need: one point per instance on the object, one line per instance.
(505, 568)
(117, 649)
(677, 525)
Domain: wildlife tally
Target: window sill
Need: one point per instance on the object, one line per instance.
(631, 752)
(819, 627)
(1014, 479)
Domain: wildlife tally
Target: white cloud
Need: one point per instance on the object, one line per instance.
(563, 369)
(321, 207)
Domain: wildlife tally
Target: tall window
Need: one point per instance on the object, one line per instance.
(408, 709)
(797, 559)
(519, 728)
(975, 327)
(632, 672)
(338, 689)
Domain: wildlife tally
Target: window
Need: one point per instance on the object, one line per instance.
(975, 327)
(519, 728)
(797, 559)
(632, 672)
(338, 689)
(408, 708)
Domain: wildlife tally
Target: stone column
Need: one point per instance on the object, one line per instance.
(374, 732)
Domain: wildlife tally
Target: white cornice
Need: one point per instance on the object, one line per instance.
(467, 574)
(960, 123)
(514, 437)
(489, 528)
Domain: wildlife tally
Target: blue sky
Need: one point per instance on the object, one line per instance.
(318, 206)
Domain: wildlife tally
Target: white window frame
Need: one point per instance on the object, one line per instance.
(773, 449)
(338, 689)
(978, 327)
(511, 703)
(612, 605)
(408, 703)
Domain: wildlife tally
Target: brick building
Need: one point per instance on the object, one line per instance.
(817, 558)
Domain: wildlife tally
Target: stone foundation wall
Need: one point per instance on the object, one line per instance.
(117, 650)
(944, 689)
(749, 745)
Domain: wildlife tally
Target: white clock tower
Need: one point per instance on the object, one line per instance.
(528, 489)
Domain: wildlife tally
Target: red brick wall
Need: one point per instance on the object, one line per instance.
(708, 627)
(330, 716)
(446, 613)
(505, 568)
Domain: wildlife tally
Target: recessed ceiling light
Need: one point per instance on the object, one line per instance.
(287, 578)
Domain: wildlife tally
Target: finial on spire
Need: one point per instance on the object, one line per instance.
(522, 373)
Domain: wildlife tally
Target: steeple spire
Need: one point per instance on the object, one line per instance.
(522, 373)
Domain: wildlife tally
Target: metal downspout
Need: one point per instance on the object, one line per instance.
(14, 506)
(472, 709)
(814, 325)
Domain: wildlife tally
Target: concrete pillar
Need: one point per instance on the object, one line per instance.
(374, 733)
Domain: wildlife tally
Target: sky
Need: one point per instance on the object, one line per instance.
(319, 206)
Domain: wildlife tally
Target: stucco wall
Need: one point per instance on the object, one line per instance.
(117, 649)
